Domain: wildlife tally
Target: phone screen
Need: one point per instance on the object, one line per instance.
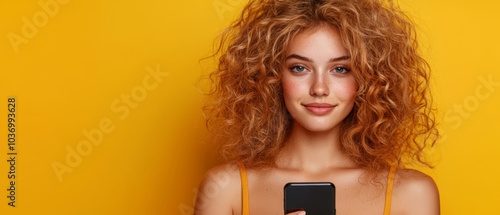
(316, 198)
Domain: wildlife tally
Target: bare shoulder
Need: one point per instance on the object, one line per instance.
(415, 193)
(220, 191)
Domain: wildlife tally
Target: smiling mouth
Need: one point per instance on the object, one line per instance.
(319, 108)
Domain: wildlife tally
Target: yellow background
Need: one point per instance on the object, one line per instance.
(77, 69)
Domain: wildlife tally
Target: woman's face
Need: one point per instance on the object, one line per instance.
(318, 87)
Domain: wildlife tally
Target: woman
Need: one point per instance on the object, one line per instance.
(326, 90)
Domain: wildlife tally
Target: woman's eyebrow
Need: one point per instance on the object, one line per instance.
(341, 58)
(296, 56)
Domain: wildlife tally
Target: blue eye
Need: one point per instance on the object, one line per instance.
(298, 69)
(341, 70)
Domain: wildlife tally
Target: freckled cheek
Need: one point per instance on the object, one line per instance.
(346, 90)
(292, 94)
(290, 87)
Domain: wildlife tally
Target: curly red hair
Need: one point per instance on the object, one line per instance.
(392, 117)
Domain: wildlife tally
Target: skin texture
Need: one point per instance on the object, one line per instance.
(320, 74)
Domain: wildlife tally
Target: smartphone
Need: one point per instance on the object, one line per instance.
(316, 198)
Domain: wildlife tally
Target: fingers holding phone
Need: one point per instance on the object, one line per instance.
(297, 213)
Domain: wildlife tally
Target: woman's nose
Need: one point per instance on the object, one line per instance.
(319, 86)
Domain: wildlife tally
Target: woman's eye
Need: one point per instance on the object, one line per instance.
(341, 70)
(298, 69)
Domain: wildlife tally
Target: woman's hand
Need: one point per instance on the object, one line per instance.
(297, 213)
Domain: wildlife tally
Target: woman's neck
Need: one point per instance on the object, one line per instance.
(313, 151)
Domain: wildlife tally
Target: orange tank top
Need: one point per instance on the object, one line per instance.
(245, 209)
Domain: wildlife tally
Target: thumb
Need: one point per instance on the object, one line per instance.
(298, 213)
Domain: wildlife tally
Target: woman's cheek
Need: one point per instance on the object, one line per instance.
(290, 86)
(348, 88)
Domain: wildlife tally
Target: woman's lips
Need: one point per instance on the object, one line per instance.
(319, 108)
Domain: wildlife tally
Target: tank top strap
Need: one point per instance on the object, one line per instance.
(388, 192)
(245, 210)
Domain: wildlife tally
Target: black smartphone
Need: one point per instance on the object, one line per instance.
(316, 198)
